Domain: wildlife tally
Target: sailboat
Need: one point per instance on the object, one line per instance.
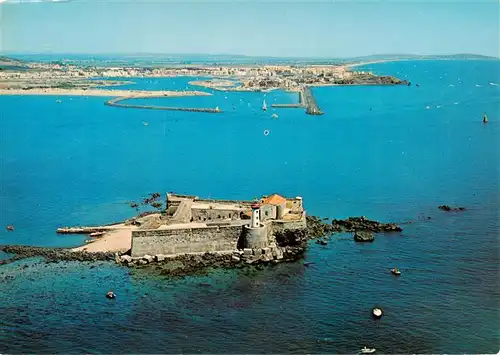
(264, 106)
(485, 118)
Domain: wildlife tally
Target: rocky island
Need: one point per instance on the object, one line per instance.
(191, 234)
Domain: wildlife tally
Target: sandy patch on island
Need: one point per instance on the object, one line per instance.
(119, 240)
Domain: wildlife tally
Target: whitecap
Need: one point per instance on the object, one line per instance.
(456, 103)
(427, 107)
(494, 84)
(438, 106)
(451, 85)
(478, 86)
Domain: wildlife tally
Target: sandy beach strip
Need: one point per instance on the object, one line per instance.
(117, 240)
(101, 92)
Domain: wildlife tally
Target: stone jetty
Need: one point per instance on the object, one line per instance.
(117, 102)
(84, 230)
(309, 102)
(306, 100)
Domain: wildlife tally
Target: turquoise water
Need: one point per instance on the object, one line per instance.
(80, 161)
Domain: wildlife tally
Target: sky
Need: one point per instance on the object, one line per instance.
(330, 29)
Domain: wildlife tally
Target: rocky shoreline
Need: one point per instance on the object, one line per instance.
(52, 254)
(290, 246)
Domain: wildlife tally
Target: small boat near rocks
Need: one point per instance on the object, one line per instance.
(96, 234)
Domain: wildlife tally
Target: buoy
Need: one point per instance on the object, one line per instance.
(10, 228)
(377, 313)
(110, 294)
(266, 132)
(485, 118)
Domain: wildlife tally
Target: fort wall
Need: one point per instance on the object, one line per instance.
(207, 239)
(186, 240)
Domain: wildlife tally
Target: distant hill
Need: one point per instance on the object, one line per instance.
(14, 61)
(10, 62)
(463, 56)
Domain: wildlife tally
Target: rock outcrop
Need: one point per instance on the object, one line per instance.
(447, 208)
(353, 224)
(363, 236)
(192, 264)
(370, 79)
(317, 227)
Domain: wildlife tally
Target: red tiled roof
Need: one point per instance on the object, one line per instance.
(274, 200)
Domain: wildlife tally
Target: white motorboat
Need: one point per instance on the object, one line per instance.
(396, 271)
(377, 312)
(366, 350)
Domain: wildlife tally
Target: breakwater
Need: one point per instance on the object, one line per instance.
(84, 230)
(117, 102)
(306, 99)
(309, 102)
(287, 105)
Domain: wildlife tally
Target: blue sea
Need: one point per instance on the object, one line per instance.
(388, 153)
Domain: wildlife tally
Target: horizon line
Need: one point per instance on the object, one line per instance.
(6, 53)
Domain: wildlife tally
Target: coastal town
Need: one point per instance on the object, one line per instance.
(34, 78)
(33, 75)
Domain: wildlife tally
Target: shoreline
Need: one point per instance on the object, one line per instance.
(115, 245)
(101, 93)
(353, 65)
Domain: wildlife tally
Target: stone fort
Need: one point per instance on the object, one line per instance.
(195, 225)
